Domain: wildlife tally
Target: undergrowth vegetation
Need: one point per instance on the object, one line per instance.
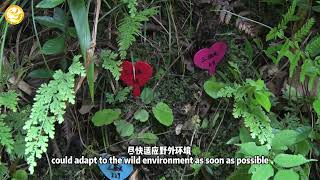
(93, 78)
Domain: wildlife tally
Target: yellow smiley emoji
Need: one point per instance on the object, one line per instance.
(14, 14)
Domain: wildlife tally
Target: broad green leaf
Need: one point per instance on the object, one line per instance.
(251, 149)
(212, 88)
(147, 95)
(163, 113)
(124, 128)
(54, 46)
(79, 14)
(106, 117)
(245, 135)
(261, 172)
(20, 175)
(316, 106)
(141, 115)
(58, 20)
(304, 132)
(263, 100)
(289, 160)
(303, 148)
(49, 3)
(241, 173)
(286, 174)
(283, 139)
(41, 73)
(148, 138)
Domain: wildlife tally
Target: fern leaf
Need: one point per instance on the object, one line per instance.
(132, 4)
(109, 63)
(9, 100)
(313, 47)
(278, 32)
(122, 94)
(48, 108)
(4, 172)
(130, 27)
(305, 29)
(250, 109)
(6, 136)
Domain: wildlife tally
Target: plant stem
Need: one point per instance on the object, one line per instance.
(2, 46)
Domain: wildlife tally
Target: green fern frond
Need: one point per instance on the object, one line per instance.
(48, 108)
(313, 47)
(9, 100)
(130, 27)
(120, 97)
(304, 30)
(288, 16)
(6, 136)
(250, 109)
(4, 172)
(109, 63)
(132, 5)
(278, 32)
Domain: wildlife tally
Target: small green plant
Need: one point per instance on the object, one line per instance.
(250, 99)
(130, 27)
(5, 135)
(119, 97)
(287, 154)
(109, 63)
(291, 49)
(11, 137)
(49, 107)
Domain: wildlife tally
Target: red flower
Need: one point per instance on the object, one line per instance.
(135, 75)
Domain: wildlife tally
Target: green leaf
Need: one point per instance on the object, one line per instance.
(261, 172)
(289, 160)
(263, 100)
(196, 150)
(41, 73)
(303, 148)
(54, 46)
(286, 174)
(141, 115)
(233, 140)
(49, 3)
(59, 20)
(3, 171)
(249, 50)
(163, 113)
(124, 128)
(251, 149)
(283, 139)
(106, 116)
(147, 95)
(316, 106)
(212, 88)
(79, 14)
(148, 138)
(241, 173)
(109, 62)
(245, 135)
(9, 100)
(20, 175)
